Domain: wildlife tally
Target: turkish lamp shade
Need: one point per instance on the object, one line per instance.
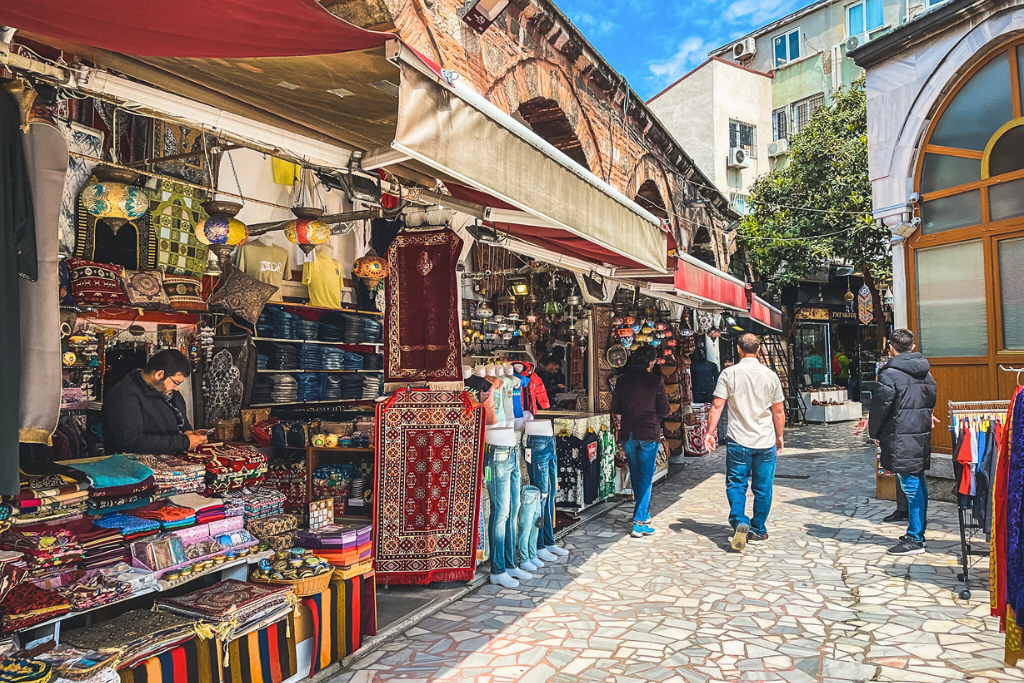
(113, 199)
(307, 230)
(371, 269)
(221, 231)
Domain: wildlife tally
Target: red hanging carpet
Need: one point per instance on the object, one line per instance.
(422, 335)
(429, 463)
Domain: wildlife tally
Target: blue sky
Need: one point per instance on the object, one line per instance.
(652, 43)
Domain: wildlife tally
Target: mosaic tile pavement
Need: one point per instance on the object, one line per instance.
(820, 602)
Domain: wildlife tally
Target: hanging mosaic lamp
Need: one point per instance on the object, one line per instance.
(307, 230)
(371, 269)
(113, 199)
(221, 231)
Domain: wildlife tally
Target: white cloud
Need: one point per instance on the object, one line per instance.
(758, 12)
(690, 52)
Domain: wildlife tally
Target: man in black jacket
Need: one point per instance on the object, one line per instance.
(901, 420)
(144, 413)
(641, 401)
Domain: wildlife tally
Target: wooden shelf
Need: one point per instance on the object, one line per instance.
(315, 341)
(311, 403)
(330, 371)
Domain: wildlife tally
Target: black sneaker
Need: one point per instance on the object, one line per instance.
(739, 538)
(754, 537)
(898, 516)
(905, 537)
(907, 546)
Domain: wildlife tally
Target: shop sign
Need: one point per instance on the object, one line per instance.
(481, 15)
(812, 314)
(825, 315)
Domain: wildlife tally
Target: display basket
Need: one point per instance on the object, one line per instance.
(302, 587)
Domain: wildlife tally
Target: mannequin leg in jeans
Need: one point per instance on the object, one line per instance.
(529, 513)
(500, 462)
(512, 533)
(543, 474)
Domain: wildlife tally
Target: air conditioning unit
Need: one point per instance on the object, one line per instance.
(853, 42)
(738, 158)
(744, 49)
(778, 148)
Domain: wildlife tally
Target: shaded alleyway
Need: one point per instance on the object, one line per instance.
(821, 602)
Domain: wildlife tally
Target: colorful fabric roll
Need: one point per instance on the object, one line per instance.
(195, 661)
(264, 656)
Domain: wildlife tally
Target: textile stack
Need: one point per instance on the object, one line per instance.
(47, 551)
(102, 547)
(277, 531)
(232, 608)
(90, 592)
(57, 495)
(229, 467)
(133, 528)
(343, 545)
(288, 475)
(134, 635)
(169, 516)
(27, 605)
(206, 509)
(257, 502)
(172, 475)
(116, 484)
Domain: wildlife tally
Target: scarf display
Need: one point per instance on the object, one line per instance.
(46, 551)
(134, 635)
(115, 470)
(420, 347)
(194, 661)
(429, 460)
(264, 656)
(169, 516)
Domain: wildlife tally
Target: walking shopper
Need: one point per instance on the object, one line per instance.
(641, 400)
(757, 418)
(901, 420)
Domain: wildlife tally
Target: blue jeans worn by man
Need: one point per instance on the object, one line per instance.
(544, 475)
(503, 489)
(917, 504)
(641, 457)
(756, 465)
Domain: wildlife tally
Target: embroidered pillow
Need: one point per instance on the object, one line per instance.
(145, 289)
(96, 284)
(243, 295)
(185, 292)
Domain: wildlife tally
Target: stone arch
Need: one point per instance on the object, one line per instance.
(703, 246)
(535, 79)
(649, 177)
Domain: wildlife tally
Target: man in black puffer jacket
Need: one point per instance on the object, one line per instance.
(901, 420)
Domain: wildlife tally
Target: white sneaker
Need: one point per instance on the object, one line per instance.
(505, 580)
(546, 555)
(519, 574)
(528, 566)
(554, 549)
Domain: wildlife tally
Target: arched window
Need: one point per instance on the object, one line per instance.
(965, 263)
(548, 120)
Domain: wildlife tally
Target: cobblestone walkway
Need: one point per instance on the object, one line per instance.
(821, 602)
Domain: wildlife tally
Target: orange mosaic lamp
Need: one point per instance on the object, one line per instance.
(307, 230)
(371, 269)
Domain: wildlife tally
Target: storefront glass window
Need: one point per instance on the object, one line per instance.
(1006, 200)
(814, 346)
(978, 110)
(957, 211)
(939, 172)
(951, 300)
(1011, 291)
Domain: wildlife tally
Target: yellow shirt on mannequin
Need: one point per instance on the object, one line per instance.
(322, 276)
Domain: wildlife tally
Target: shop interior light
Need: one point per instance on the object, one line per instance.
(307, 230)
(113, 199)
(520, 288)
(221, 231)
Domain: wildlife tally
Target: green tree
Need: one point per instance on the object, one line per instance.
(816, 210)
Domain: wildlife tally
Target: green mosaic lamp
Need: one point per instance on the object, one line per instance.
(113, 198)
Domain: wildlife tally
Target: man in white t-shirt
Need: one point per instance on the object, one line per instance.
(757, 417)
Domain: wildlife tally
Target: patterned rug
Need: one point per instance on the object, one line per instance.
(429, 464)
(417, 346)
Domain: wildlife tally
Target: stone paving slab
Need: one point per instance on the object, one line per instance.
(821, 602)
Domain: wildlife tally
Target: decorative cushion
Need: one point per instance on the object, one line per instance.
(145, 289)
(243, 295)
(96, 284)
(185, 292)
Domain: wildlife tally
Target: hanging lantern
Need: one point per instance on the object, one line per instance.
(307, 230)
(371, 269)
(113, 199)
(221, 231)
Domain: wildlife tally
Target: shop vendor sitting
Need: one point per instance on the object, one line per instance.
(144, 413)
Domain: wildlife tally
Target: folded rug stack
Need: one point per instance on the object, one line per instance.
(47, 551)
(288, 475)
(206, 509)
(116, 483)
(232, 608)
(229, 467)
(103, 547)
(26, 606)
(49, 493)
(256, 502)
(134, 636)
(172, 475)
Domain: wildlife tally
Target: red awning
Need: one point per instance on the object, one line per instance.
(552, 239)
(766, 314)
(193, 28)
(699, 279)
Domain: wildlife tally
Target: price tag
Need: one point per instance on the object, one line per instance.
(529, 455)
(487, 473)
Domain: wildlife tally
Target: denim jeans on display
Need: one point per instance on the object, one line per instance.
(641, 457)
(529, 513)
(502, 481)
(916, 488)
(544, 475)
(758, 466)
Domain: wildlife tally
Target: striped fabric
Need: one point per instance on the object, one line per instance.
(342, 614)
(197, 661)
(264, 656)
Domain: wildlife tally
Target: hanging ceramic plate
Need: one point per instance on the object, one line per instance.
(617, 356)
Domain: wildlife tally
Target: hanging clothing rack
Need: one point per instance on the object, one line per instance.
(971, 532)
